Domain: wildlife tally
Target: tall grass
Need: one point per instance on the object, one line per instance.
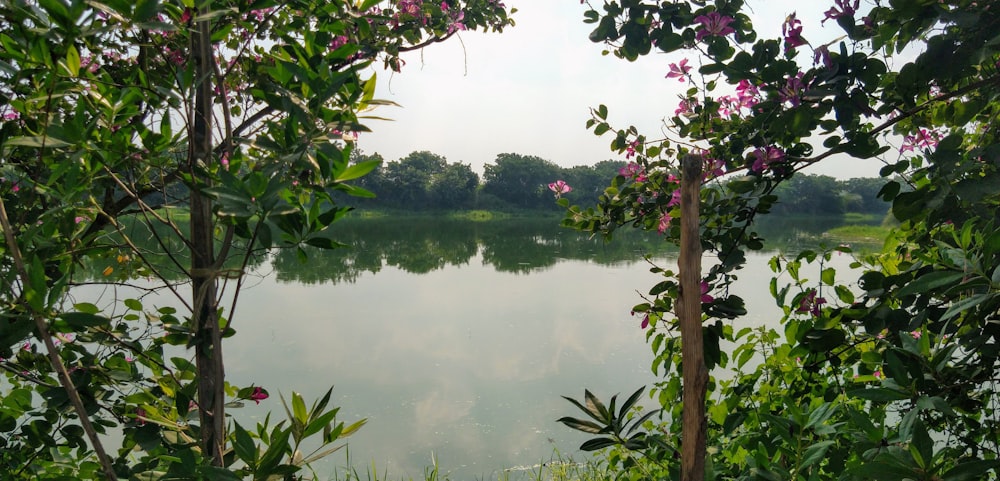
(558, 468)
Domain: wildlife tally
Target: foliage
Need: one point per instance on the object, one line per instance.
(242, 112)
(889, 377)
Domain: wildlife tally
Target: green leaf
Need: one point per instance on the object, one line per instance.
(582, 425)
(879, 394)
(244, 446)
(930, 281)
(597, 443)
(38, 141)
(921, 446)
(73, 61)
(964, 305)
(814, 454)
(145, 10)
(83, 319)
(353, 428)
(276, 449)
(971, 470)
(218, 473)
(828, 275)
(596, 406)
(358, 170)
(133, 304)
(316, 425)
(627, 405)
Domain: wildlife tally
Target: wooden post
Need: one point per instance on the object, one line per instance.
(695, 374)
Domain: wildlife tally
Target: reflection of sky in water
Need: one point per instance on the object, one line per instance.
(465, 362)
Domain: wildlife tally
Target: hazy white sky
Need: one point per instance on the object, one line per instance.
(529, 90)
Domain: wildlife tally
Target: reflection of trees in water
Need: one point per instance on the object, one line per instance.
(421, 245)
(424, 244)
(160, 246)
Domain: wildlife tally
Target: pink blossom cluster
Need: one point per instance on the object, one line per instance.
(633, 171)
(810, 303)
(764, 158)
(791, 30)
(923, 139)
(842, 9)
(713, 24)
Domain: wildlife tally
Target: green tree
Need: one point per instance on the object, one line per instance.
(454, 187)
(809, 195)
(887, 376)
(407, 180)
(866, 191)
(242, 112)
(520, 180)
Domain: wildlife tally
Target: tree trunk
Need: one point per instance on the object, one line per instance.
(695, 374)
(204, 284)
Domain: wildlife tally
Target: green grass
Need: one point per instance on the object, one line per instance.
(558, 468)
(860, 218)
(478, 215)
(859, 232)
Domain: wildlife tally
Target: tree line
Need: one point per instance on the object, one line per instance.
(424, 180)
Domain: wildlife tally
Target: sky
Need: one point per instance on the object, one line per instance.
(529, 90)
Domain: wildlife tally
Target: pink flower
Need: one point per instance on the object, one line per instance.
(186, 16)
(679, 71)
(747, 93)
(140, 416)
(645, 321)
(225, 160)
(877, 374)
(686, 106)
(821, 55)
(841, 8)
(664, 223)
(12, 115)
(338, 41)
(630, 151)
(792, 91)
(705, 297)
(675, 198)
(560, 187)
(714, 168)
(763, 158)
(258, 395)
(713, 24)
(924, 139)
(810, 303)
(455, 21)
(792, 31)
(633, 171)
(916, 334)
(728, 105)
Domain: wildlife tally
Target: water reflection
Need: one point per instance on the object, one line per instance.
(422, 245)
(457, 338)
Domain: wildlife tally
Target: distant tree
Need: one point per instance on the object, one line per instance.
(865, 192)
(809, 194)
(587, 183)
(454, 187)
(408, 179)
(520, 180)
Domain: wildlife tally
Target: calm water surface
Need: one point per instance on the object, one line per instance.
(456, 339)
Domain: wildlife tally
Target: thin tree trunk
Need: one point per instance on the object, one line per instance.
(695, 374)
(53, 353)
(204, 284)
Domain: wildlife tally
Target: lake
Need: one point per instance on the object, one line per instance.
(456, 339)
